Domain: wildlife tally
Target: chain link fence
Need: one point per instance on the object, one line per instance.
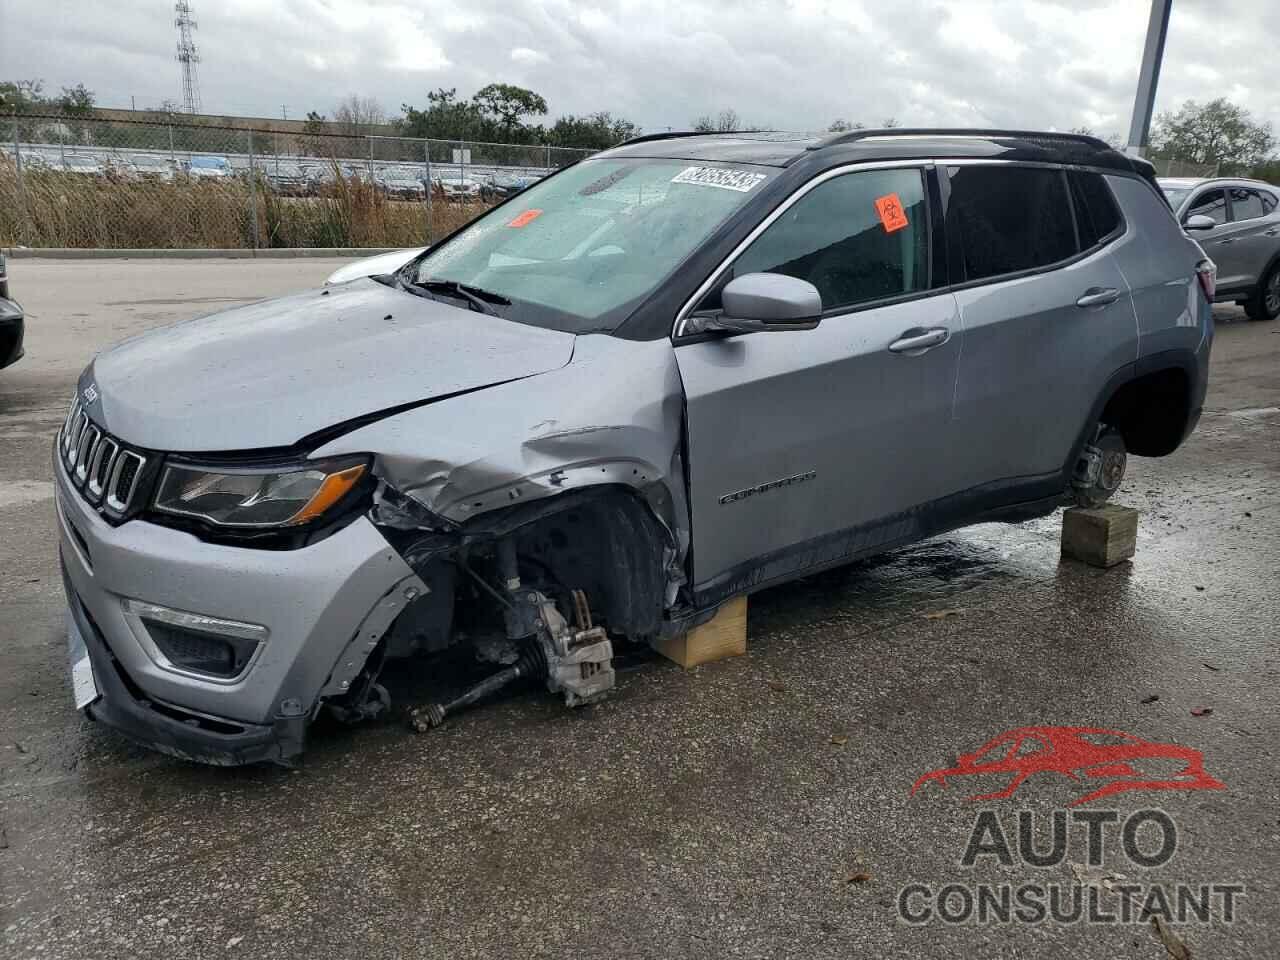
(128, 184)
(1165, 167)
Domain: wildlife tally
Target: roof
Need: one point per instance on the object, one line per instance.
(783, 149)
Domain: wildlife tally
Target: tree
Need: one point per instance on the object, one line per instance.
(313, 131)
(1112, 139)
(889, 123)
(508, 104)
(77, 101)
(1217, 132)
(597, 131)
(843, 126)
(21, 96)
(446, 118)
(727, 121)
(357, 116)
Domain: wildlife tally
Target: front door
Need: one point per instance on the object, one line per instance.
(810, 445)
(1244, 246)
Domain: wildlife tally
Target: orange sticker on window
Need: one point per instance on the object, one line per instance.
(892, 216)
(527, 217)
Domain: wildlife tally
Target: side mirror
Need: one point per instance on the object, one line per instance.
(763, 302)
(1200, 222)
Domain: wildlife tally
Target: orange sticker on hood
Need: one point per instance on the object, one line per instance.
(527, 217)
(892, 216)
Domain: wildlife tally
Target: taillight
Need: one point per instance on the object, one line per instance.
(1207, 274)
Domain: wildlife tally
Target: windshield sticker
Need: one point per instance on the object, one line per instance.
(892, 216)
(527, 217)
(725, 179)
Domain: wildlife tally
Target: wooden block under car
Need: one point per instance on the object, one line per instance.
(1100, 536)
(724, 635)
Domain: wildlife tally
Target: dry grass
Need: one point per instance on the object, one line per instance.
(55, 209)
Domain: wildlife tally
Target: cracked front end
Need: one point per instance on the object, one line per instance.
(217, 603)
(215, 652)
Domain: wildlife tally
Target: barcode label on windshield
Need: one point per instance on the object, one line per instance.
(725, 179)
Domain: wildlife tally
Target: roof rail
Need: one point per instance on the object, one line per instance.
(852, 136)
(668, 135)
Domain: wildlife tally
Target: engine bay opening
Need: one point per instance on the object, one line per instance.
(538, 595)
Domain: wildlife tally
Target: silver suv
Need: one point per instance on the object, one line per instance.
(680, 371)
(1238, 224)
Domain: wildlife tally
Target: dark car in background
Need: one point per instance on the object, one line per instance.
(287, 180)
(400, 185)
(502, 186)
(12, 322)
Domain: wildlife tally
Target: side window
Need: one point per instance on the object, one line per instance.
(1246, 204)
(1097, 216)
(1010, 219)
(1268, 202)
(1211, 204)
(858, 237)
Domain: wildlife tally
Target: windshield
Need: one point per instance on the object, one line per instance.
(576, 252)
(210, 163)
(1175, 195)
(82, 161)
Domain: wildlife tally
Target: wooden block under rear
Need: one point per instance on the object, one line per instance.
(724, 635)
(1100, 536)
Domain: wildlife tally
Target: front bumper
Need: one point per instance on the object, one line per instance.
(315, 603)
(168, 728)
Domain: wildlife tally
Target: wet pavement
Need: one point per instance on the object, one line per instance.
(758, 807)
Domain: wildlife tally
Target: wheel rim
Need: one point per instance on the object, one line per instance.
(1273, 292)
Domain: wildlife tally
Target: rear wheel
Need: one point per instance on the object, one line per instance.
(1265, 302)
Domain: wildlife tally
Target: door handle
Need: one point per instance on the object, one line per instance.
(1273, 232)
(1098, 297)
(917, 340)
(1226, 240)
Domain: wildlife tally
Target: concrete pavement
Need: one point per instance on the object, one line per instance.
(758, 807)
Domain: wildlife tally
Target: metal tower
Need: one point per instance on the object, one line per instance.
(187, 56)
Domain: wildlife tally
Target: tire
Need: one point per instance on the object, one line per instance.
(1265, 302)
(1110, 445)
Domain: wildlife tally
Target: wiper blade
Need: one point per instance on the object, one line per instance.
(478, 298)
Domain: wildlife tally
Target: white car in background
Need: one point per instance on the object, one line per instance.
(459, 189)
(374, 266)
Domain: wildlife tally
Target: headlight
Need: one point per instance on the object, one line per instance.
(256, 497)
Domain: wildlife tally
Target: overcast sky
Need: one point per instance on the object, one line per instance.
(790, 64)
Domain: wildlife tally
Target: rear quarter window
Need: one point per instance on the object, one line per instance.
(1097, 214)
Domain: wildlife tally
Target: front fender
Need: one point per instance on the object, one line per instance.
(613, 416)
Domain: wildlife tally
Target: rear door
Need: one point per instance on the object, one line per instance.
(1047, 319)
(795, 439)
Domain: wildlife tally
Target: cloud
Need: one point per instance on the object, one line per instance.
(793, 64)
(524, 55)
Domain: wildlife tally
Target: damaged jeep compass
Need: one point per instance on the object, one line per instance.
(572, 426)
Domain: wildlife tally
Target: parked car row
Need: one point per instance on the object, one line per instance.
(286, 178)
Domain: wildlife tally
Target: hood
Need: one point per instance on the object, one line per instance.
(374, 266)
(269, 374)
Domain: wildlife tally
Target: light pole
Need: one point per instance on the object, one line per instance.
(1148, 76)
